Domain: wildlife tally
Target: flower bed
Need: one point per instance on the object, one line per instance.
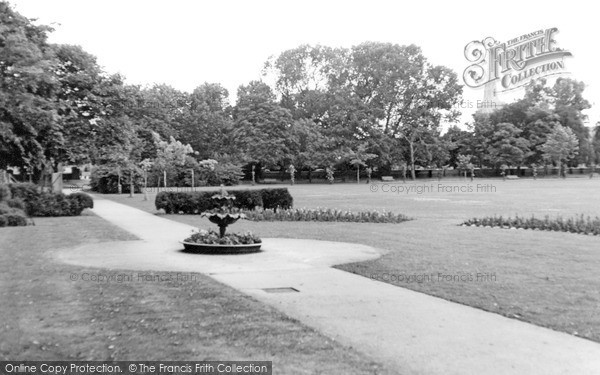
(578, 224)
(210, 242)
(324, 214)
(210, 237)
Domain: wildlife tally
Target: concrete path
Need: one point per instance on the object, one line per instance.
(409, 331)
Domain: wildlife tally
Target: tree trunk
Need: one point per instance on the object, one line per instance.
(258, 170)
(412, 160)
(358, 174)
(131, 184)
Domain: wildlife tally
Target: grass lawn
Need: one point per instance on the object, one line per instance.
(46, 316)
(546, 278)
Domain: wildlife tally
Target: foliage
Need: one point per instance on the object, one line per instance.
(5, 193)
(105, 179)
(225, 174)
(324, 214)
(276, 198)
(57, 105)
(261, 125)
(561, 145)
(27, 192)
(83, 199)
(211, 237)
(578, 224)
(28, 199)
(202, 201)
(207, 124)
(12, 219)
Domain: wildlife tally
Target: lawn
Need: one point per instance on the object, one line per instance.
(46, 316)
(545, 278)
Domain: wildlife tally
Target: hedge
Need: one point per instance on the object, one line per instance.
(11, 210)
(201, 201)
(28, 197)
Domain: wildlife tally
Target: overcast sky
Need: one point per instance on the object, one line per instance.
(184, 42)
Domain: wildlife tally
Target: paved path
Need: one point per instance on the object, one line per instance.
(412, 332)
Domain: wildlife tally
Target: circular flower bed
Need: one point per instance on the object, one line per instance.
(210, 242)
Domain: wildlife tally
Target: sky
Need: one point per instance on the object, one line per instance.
(185, 43)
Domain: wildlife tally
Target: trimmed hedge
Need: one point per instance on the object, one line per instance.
(201, 201)
(30, 199)
(277, 198)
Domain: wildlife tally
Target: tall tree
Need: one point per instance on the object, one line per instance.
(561, 146)
(208, 125)
(302, 78)
(261, 125)
(27, 89)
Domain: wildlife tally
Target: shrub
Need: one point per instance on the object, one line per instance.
(11, 216)
(277, 198)
(4, 192)
(226, 174)
(6, 209)
(84, 200)
(248, 199)
(16, 203)
(187, 203)
(201, 201)
(27, 197)
(14, 220)
(28, 192)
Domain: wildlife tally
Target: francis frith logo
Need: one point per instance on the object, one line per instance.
(516, 62)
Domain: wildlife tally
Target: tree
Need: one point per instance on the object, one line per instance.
(561, 146)
(358, 158)
(506, 146)
(375, 93)
(411, 97)
(569, 105)
(27, 89)
(208, 124)
(261, 125)
(308, 147)
(596, 144)
(302, 78)
(457, 142)
(171, 155)
(464, 163)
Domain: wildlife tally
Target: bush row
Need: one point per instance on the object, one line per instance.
(31, 201)
(322, 214)
(201, 201)
(12, 212)
(579, 224)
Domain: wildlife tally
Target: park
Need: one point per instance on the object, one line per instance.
(336, 215)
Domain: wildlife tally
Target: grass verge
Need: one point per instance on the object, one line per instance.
(47, 316)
